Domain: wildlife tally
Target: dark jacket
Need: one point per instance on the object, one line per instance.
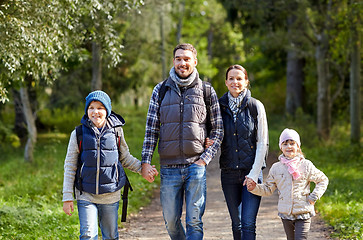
(238, 147)
(182, 123)
(100, 171)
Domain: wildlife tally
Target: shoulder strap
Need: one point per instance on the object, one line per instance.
(79, 137)
(162, 92)
(208, 102)
(127, 187)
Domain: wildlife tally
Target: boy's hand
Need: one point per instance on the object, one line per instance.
(250, 184)
(68, 207)
(149, 172)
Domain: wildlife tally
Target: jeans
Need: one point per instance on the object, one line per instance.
(296, 229)
(177, 183)
(242, 205)
(90, 213)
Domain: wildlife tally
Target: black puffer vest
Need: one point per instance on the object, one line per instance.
(100, 171)
(238, 147)
(182, 124)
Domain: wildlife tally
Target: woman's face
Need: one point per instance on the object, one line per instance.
(97, 113)
(290, 148)
(236, 82)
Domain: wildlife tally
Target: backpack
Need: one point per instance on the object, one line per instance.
(206, 96)
(252, 106)
(127, 186)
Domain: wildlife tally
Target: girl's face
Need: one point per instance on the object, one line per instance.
(97, 113)
(236, 82)
(290, 148)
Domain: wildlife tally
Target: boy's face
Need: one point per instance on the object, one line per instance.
(290, 148)
(184, 63)
(97, 113)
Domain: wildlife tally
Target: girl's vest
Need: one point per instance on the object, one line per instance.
(182, 124)
(238, 147)
(100, 170)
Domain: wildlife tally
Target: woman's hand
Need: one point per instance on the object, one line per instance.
(68, 207)
(250, 184)
(208, 143)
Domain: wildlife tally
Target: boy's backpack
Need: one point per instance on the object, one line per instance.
(252, 106)
(206, 97)
(127, 186)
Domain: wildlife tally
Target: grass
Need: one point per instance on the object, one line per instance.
(31, 193)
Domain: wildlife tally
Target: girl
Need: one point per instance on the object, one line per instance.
(292, 176)
(101, 175)
(243, 151)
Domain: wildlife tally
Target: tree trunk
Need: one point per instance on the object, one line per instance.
(96, 83)
(30, 122)
(323, 98)
(294, 72)
(180, 23)
(162, 45)
(355, 87)
(20, 128)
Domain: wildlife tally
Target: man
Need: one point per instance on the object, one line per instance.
(179, 123)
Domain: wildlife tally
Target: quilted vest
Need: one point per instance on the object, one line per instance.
(238, 147)
(182, 124)
(101, 171)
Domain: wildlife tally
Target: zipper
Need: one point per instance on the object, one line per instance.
(181, 123)
(98, 164)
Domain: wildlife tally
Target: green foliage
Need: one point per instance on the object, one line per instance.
(31, 194)
(62, 120)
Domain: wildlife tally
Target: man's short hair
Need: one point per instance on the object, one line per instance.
(185, 46)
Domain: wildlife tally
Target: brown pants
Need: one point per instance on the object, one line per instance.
(296, 229)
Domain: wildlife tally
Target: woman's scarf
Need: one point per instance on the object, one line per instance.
(292, 165)
(235, 103)
(182, 82)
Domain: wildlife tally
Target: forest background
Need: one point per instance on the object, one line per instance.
(304, 63)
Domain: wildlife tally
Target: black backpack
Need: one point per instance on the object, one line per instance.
(206, 96)
(127, 186)
(252, 106)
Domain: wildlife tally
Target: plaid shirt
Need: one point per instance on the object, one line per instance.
(153, 128)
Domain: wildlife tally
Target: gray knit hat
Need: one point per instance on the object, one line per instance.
(101, 97)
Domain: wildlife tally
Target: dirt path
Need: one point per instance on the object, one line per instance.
(149, 223)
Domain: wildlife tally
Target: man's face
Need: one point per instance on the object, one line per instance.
(184, 63)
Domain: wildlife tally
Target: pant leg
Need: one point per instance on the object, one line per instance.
(88, 219)
(289, 227)
(195, 200)
(250, 206)
(171, 198)
(232, 190)
(302, 228)
(108, 216)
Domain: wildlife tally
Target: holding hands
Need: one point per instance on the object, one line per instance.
(149, 172)
(250, 184)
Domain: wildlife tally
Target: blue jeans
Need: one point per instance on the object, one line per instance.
(242, 205)
(189, 181)
(90, 213)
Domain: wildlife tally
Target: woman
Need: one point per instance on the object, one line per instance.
(243, 151)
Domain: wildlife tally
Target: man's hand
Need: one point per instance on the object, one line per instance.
(149, 172)
(68, 207)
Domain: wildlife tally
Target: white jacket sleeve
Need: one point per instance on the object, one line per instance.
(321, 182)
(262, 142)
(126, 159)
(70, 167)
(267, 188)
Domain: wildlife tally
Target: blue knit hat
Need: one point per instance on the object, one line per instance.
(101, 97)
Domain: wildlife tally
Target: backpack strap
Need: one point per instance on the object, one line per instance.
(127, 187)
(162, 91)
(252, 106)
(79, 135)
(208, 102)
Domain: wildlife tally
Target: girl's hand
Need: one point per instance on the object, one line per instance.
(208, 143)
(149, 172)
(68, 207)
(250, 184)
